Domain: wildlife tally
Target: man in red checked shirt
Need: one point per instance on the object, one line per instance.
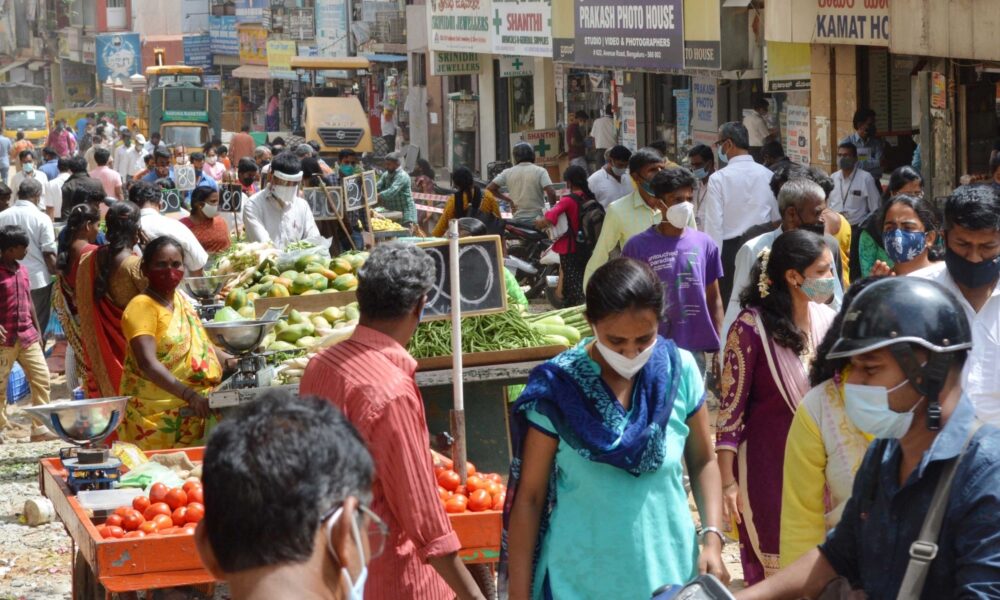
(370, 377)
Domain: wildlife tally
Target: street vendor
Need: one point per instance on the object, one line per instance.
(170, 365)
(370, 377)
(277, 213)
(394, 191)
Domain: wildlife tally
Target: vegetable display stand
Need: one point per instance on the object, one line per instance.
(479, 534)
(103, 567)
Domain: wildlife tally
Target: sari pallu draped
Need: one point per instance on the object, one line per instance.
(101, 324)
(64, 301)
(589, 419)
(154, 418)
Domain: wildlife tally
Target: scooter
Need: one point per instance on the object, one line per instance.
(524, 252)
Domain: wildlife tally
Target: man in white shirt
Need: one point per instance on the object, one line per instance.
(801, 203)
(127, 157)
(758, 129)
(277, 214)
(855, 194)
(146, 196)
(701, 159)
(611, 181)
(528, 185)
(53, 189)
(29, 170)
(41, 258)
(739, 197)
(153, 144)
(603, 132)
(971, 271)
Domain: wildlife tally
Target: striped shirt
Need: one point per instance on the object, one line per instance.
(15, 306)
(370, 378)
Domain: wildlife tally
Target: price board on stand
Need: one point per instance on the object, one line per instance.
(171, 201)
(481, 280)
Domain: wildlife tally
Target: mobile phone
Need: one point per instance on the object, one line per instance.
(705, 587)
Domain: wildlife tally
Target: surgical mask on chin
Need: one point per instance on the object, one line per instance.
(818, 289)
(356, 589)
(624, 366)
(285, 193)
(646, 187)
(210, 210)
(700, 173)
(679, 215)
(868, 408)
(904, 246)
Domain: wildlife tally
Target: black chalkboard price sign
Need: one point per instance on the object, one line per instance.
(230, 198)
(323, 206)
(171, 201)
(481, 280)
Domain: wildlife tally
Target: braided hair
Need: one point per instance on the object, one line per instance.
(122, 222)
(79, 217)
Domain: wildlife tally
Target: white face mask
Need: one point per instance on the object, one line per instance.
(210, 210)
(626, 367)
(211, 159)
(868, 408)
(679, 215)
(285, 193)
(355, 589)
(619, 171)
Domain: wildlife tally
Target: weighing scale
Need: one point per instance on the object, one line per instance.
(205, 291)
(242, 339)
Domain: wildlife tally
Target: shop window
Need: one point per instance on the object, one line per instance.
(884, 83)
(522, 104)
(419, 71)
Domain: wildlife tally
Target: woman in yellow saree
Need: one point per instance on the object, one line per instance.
(170, 365)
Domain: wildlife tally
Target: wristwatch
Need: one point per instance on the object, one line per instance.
(715, 530)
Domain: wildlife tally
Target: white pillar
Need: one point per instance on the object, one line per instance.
(487, 112)
(544, 93)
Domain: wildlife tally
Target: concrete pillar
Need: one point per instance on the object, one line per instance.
(845, 94)
(543, 89)
(821, 108)
(487, 115)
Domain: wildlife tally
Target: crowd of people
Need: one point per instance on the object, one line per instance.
(840, 341)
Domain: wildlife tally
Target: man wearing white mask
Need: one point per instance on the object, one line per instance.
(277, 214)
(688, 263)
(611, 181)
(320, 546)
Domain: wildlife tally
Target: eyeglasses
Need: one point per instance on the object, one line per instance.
(721, 142)
(377, 530)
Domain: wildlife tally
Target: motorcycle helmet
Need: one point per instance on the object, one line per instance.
(902, 313)
(523, 152)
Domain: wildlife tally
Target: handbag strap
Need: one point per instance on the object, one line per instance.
(924, 549)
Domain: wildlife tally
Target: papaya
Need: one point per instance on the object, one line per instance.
(319, 282)
(295, 317)
(319, 268)
(278, 291)
(332, 314)
(289, 275)
(306, 260)
(345, 282)
(267, 279)
(319, 322)
(280, 346)
(341, 266)
(285, 282)
(247, 312)
(236, 299)
(292, 333)
(357, 260)
(352, 313)
(310, 293)
(226, 314)
(251, 296)
(301, 283)
(307, 341)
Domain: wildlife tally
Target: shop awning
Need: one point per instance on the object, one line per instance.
(252, 72)
(13, 65)
(386, 58)
(736, 3)
(319, 63)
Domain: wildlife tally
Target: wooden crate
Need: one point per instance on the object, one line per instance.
(481, 359)
(310, 303)
(479, 534)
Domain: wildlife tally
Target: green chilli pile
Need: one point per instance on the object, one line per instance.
(486, 333)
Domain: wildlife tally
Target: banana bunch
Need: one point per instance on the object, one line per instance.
(380, 224)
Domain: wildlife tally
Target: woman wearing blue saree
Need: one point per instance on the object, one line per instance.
(596, 506)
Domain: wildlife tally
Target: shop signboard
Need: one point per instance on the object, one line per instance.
(939, 91)
(331, 31)
(118, 56)
(629, 117)
(787, 67)
(455, 63)
(253, 44)
(797, 134)
(683, 100)
(563, 32)
(544, 141)
(702, 35)
(522, 27)
(198, 50)
(222, 32)
(634, 34)
(251, 11)
(279, 58)
(88, 51)
(460, 26)
(515, 66)
(704, 104)
(862, 22)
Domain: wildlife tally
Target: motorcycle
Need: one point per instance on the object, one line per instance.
(524, 253)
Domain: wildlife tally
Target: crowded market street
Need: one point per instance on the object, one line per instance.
(499, 299)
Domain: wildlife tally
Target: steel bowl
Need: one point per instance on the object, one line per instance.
(238, 337)
(82, 422)
(207, 287)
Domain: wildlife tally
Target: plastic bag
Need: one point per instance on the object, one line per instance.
(131, 455)
(145, 475)
(287, 261)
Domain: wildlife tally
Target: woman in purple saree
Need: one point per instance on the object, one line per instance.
(765, 375)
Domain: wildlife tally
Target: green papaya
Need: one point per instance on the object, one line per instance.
(306, 260)
(301, 283)
(293, 332)
(307, 341)
(319, 282)
(236, 298)
(226, 314)
(333, 313)
(345, 282)
(295, 317)
(280, 346)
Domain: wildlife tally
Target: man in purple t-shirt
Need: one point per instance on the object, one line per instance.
(688, 263)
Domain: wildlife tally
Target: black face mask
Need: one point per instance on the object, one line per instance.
(247, 182)
(818, 228)
(969, 274)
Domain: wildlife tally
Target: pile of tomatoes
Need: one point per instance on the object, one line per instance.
(481, 492)
(166, 511)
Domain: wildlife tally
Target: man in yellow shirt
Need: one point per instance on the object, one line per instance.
(632, 214)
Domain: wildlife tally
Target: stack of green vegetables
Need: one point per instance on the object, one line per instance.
(486, 333)
(564, 327)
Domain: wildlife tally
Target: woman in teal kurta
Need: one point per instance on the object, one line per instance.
(596, 506)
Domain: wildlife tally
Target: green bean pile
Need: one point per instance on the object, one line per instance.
(487, 333)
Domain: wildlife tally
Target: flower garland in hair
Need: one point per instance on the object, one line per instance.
(764, 282)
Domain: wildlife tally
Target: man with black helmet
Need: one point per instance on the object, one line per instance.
(971, 271)
(907, 339)
(527, 186)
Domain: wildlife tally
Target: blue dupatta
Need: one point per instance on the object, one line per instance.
(587, 416)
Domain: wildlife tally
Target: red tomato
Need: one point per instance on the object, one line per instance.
(443, 493)
(179, 516)
(470, 469)
(115, 532)
(191, 483)
(494, 488)
(196, 494)
(495, 477)
(163, 522)
(102, 530)
(159, 508)
(195, 512)
(169, 531)
(480, 500)
(157, 493)
(190, 527)
(135, 534)
(132, 521)
(456, 504)
(462, 490)
(121, 511)
(498, 500)
(449, 480)
(115, 520)
(176, 498)
(140, 503)
(149, 527)
(475, 482)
